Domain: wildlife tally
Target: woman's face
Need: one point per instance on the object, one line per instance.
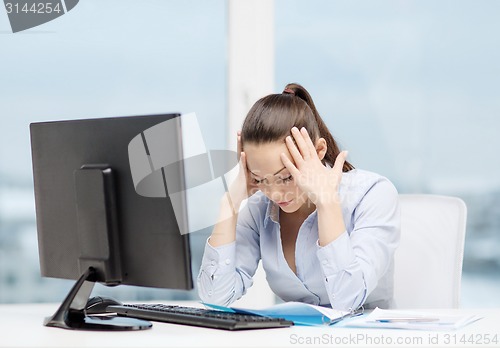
(269, 174)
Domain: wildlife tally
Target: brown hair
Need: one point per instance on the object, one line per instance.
(271, 119)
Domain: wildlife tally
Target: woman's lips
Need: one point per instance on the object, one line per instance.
(284, 204)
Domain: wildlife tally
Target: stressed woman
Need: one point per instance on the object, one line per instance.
(325, 232)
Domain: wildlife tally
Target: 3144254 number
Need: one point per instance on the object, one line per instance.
(35, 8)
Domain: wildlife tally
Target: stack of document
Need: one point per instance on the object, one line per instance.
(390, 319)
(299, 313)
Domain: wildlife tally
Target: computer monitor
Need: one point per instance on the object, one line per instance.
(92, 224)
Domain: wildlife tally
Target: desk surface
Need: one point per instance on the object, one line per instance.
(21, 326)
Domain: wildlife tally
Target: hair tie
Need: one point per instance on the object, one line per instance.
(288, 91)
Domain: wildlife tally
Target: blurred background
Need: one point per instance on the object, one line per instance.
(410, 88)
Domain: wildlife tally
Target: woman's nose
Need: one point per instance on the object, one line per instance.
(275, 192)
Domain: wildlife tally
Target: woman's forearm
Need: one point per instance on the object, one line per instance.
(224, 231)
(330, 222)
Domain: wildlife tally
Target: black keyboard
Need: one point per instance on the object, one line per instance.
(198, 317)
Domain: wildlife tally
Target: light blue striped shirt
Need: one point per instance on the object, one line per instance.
(355, 269)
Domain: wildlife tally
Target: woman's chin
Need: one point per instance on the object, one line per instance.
(289, 208)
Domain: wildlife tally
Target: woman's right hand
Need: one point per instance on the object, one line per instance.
(251, 186)
(242, 187)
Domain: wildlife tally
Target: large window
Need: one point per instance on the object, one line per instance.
(411, 89)
(103, 58)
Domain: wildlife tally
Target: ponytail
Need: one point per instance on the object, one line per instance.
(272, 117)
(332, 148)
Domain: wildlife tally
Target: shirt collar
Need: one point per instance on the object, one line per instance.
(272, 212)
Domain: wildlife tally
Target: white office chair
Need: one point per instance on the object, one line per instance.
(428, 261)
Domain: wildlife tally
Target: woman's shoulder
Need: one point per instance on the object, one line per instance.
(357, 184)
(363, 178)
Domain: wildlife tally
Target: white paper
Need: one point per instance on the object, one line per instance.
(412, 320)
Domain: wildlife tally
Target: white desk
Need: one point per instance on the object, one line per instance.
(21, 326)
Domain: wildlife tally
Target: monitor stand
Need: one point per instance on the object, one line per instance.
(71, 314)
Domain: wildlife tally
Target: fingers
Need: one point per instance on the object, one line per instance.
(290, 166)
(251, 188)
(238, 145)
(243, 164)
(243, 161)
(310, 146)
(339, 162)
(303, 149)
(301, 142)
(296, 155)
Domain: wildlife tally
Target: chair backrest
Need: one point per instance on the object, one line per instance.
(428, 261)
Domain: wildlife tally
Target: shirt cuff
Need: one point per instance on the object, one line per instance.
(220, 259)
(337, 255)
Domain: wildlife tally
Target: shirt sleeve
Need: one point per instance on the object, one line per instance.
(353, 263)
(226, 271)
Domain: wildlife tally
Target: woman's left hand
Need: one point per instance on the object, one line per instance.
(311, 176)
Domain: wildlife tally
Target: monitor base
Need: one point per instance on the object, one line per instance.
(71, 314)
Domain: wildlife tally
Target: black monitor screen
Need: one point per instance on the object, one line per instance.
(148, 248)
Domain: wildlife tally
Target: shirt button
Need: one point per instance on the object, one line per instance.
(209, 292)
(325, 262)
(212, 263)
(227, 261)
